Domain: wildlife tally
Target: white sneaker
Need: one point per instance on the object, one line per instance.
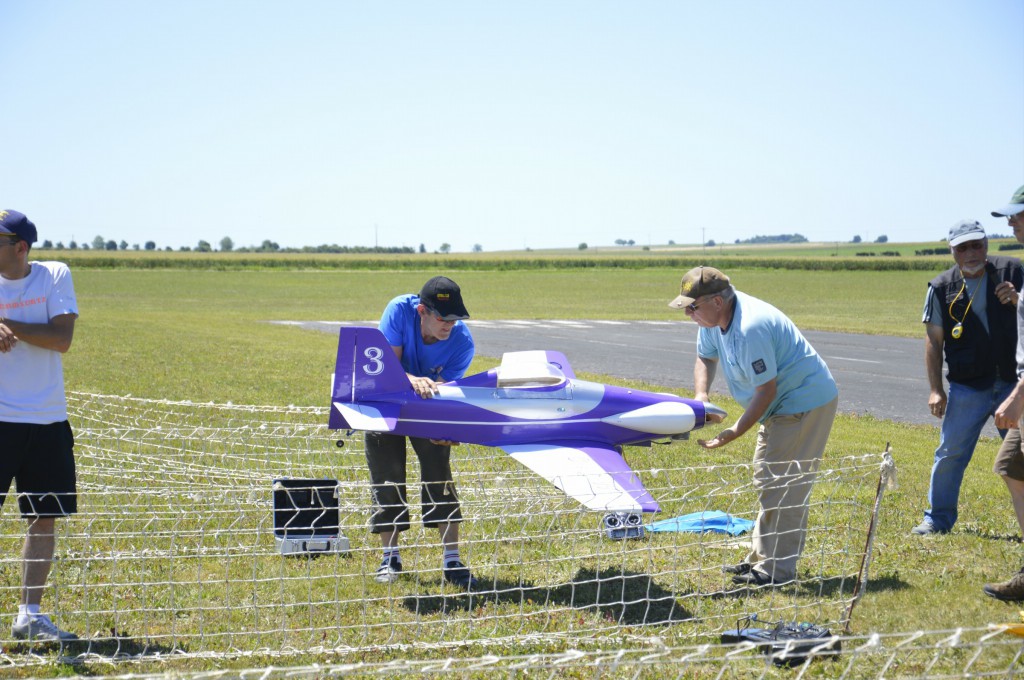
(40, 627)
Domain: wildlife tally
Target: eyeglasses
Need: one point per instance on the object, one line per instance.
(693, 306)
(976, 244)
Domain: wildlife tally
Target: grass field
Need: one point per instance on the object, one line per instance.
(204, 336)
(173, 332)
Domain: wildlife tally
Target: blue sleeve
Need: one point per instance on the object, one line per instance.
(393, 322)
(706, 347)
(461, 358)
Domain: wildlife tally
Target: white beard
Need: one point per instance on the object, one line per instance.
(973, 270)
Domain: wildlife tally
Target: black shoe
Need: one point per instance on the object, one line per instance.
(457, 574)
(756, 578)
(741, 568)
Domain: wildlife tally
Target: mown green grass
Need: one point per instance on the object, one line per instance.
(205, 336)
(819, 249)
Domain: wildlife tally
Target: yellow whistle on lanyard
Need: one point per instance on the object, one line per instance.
(957, 331)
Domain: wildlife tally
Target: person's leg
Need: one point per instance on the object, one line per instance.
(449, 536)
(437, 491)
(1016, 489)
(386, 460)
(788, 453)
(46, 490)
(441, 508)
(966, 413)
(37, 556)
(1009, 465)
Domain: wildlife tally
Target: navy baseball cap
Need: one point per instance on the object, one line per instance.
(14, 222)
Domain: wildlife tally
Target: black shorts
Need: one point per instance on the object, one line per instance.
(386, 457)
(41, 459)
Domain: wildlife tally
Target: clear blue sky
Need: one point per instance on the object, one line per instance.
(508, 124)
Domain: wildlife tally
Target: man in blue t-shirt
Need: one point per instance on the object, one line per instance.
(781, 383)
(434, 346)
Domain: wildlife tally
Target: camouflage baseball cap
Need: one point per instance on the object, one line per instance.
(698, 282)
(1016, 205)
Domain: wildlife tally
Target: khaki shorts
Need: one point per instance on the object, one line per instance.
(1010, 459)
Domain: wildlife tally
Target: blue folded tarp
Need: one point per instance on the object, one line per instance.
(699, 522)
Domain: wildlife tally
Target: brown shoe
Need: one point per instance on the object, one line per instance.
(1010, 591)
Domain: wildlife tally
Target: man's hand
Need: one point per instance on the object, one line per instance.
(444, 442)
(7, 337)
(424, 387)
(1009, 412)
(937, 403)
(721, 439)
(1006, 293)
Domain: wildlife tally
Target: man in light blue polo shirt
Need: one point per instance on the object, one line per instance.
(782, 383)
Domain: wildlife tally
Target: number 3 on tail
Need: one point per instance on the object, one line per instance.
(376, 365)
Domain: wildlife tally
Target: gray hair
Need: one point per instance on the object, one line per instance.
(727, 294)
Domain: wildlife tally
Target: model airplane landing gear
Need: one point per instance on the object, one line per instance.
(619, 526)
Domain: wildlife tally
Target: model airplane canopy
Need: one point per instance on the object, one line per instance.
(532, 406)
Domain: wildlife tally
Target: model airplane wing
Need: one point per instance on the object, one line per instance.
(595, 475)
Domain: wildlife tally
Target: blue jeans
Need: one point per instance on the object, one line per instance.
(967, 411)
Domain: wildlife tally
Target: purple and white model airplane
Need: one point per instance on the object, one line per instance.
(532, 406)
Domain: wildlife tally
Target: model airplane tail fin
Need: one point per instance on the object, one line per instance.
(367, 367)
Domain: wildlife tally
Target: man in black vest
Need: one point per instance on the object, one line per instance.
(970, 316)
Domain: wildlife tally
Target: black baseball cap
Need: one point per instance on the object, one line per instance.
(443, 297)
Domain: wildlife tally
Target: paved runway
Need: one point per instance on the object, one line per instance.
(877, 375)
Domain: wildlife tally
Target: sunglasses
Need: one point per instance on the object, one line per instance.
(693, 306)
(976, 244)
(437, 317)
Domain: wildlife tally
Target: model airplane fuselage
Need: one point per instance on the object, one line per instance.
(568, 431)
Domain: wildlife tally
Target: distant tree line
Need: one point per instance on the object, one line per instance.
(778, 238)
(228, 245)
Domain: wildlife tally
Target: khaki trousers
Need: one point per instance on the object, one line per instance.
(786, 460)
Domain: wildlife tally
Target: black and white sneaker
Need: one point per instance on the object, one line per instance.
(457, 574)
(388, 571)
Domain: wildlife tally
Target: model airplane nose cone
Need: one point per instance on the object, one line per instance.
(667, 417)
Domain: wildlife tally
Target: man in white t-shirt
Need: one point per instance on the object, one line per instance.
(37, 322)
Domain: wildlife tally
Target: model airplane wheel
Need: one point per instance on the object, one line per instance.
(340, 443)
